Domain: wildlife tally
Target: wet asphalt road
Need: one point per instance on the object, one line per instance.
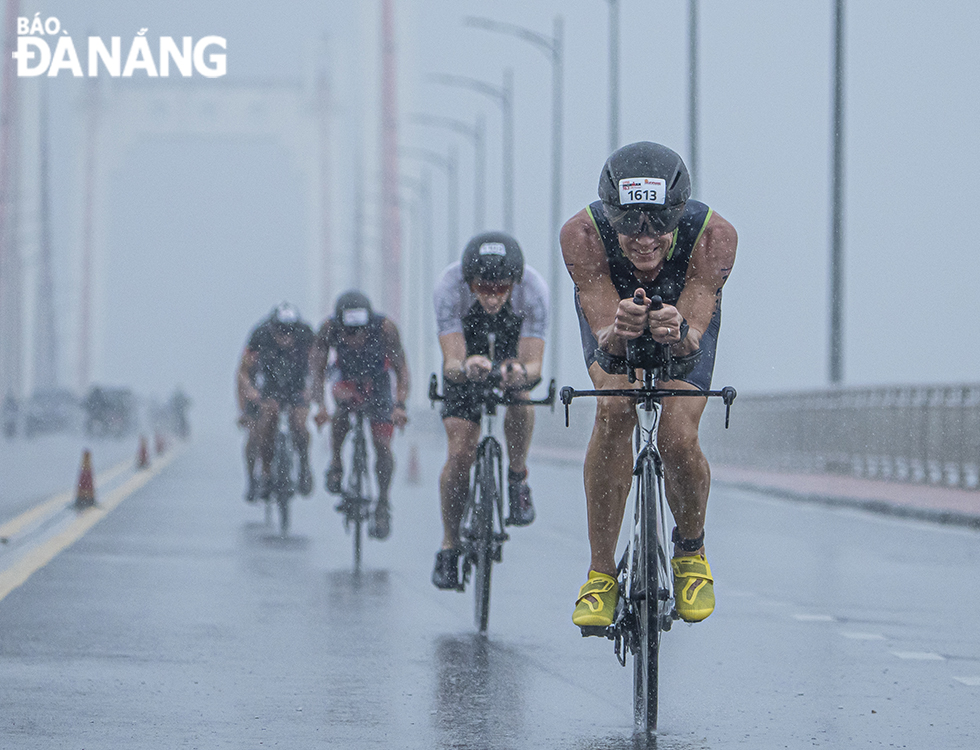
(182, 620)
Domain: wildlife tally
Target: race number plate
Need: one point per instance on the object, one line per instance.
(647, 190)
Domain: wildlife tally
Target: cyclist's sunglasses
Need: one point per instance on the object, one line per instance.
(633, 222)
(492, 287)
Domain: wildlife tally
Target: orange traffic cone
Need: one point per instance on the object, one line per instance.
(85, 496)
(143, 455)
(414, 475)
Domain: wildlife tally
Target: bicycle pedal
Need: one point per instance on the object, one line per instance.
(594, 630)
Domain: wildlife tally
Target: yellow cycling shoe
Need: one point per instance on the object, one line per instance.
(596, 601)
(694, 588)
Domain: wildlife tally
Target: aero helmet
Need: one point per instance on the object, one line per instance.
(493, 256)
(284, 316)
(353, 309)
(644, 185)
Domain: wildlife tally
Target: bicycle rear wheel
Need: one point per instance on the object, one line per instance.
(282, 479)
(486, 489)
(357, 503)
(648, 606)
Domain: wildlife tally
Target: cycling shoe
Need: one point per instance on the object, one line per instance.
(380, 525)
(334, 475)
(596, 603)
(694, 588)
(305, 478)
(521, 508)
(445, 575)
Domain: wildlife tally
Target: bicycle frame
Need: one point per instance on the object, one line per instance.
(481, 536)
(356, 504)
(283, 464)
(644, 568)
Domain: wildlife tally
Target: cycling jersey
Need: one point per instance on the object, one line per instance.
(368, 362)
(281, 373)
(525, 314)
(669, 282)
(365, 369)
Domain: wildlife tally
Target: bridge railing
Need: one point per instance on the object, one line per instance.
(920, 434)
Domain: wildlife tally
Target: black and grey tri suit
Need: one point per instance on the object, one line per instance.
(668, 284)
(525, 315)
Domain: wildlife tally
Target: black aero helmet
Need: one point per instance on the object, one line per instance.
(644, 184)
(353, 309)
(493, 256)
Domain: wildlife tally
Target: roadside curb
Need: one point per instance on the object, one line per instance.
(935, 515)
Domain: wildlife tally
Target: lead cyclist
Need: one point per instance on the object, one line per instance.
(646, 237)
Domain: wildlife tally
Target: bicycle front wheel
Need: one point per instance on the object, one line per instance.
(487, 490)
(647, 591)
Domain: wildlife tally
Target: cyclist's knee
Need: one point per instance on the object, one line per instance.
(614, 415)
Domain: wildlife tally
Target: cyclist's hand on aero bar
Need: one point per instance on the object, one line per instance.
(513, 374)
(477, 367)
(631, 315)
(665, 324)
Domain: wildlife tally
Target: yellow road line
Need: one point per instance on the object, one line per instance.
(50, 506)
(41, 555)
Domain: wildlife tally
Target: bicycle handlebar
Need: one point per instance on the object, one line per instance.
(494, 394)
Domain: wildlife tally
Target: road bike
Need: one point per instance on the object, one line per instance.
(481, 529)
(282, 474)
(356, 503)
(645, 608)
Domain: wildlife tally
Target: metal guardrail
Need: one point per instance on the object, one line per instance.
(918, 434)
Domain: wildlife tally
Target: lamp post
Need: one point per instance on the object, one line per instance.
(422, 244)
(552, 47)
(614, 74)
(476, 134)
(837, 211)
(449, 165)
(692, 98)
(504, 98)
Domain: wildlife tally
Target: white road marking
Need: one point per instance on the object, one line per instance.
(863, 636)
(971, 681)
(814, 618)
(919, 655)
(48, 549)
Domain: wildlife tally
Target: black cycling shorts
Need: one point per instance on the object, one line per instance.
(284, 394)
(699, 377)
(465, 400)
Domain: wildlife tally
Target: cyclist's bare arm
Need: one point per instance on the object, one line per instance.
(711, 263)
(455, 364)
(319, 353)
(612, 320)
(527, 366)
(246, 388)
(396, 356)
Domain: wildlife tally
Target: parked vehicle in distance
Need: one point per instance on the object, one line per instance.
(110, 412)
(53, 410)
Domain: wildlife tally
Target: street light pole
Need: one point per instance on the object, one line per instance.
(614, 74)
(553, 50)
(476, 134)
(692, 98)
(449, 165)
(504, 98)
(837, 202)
